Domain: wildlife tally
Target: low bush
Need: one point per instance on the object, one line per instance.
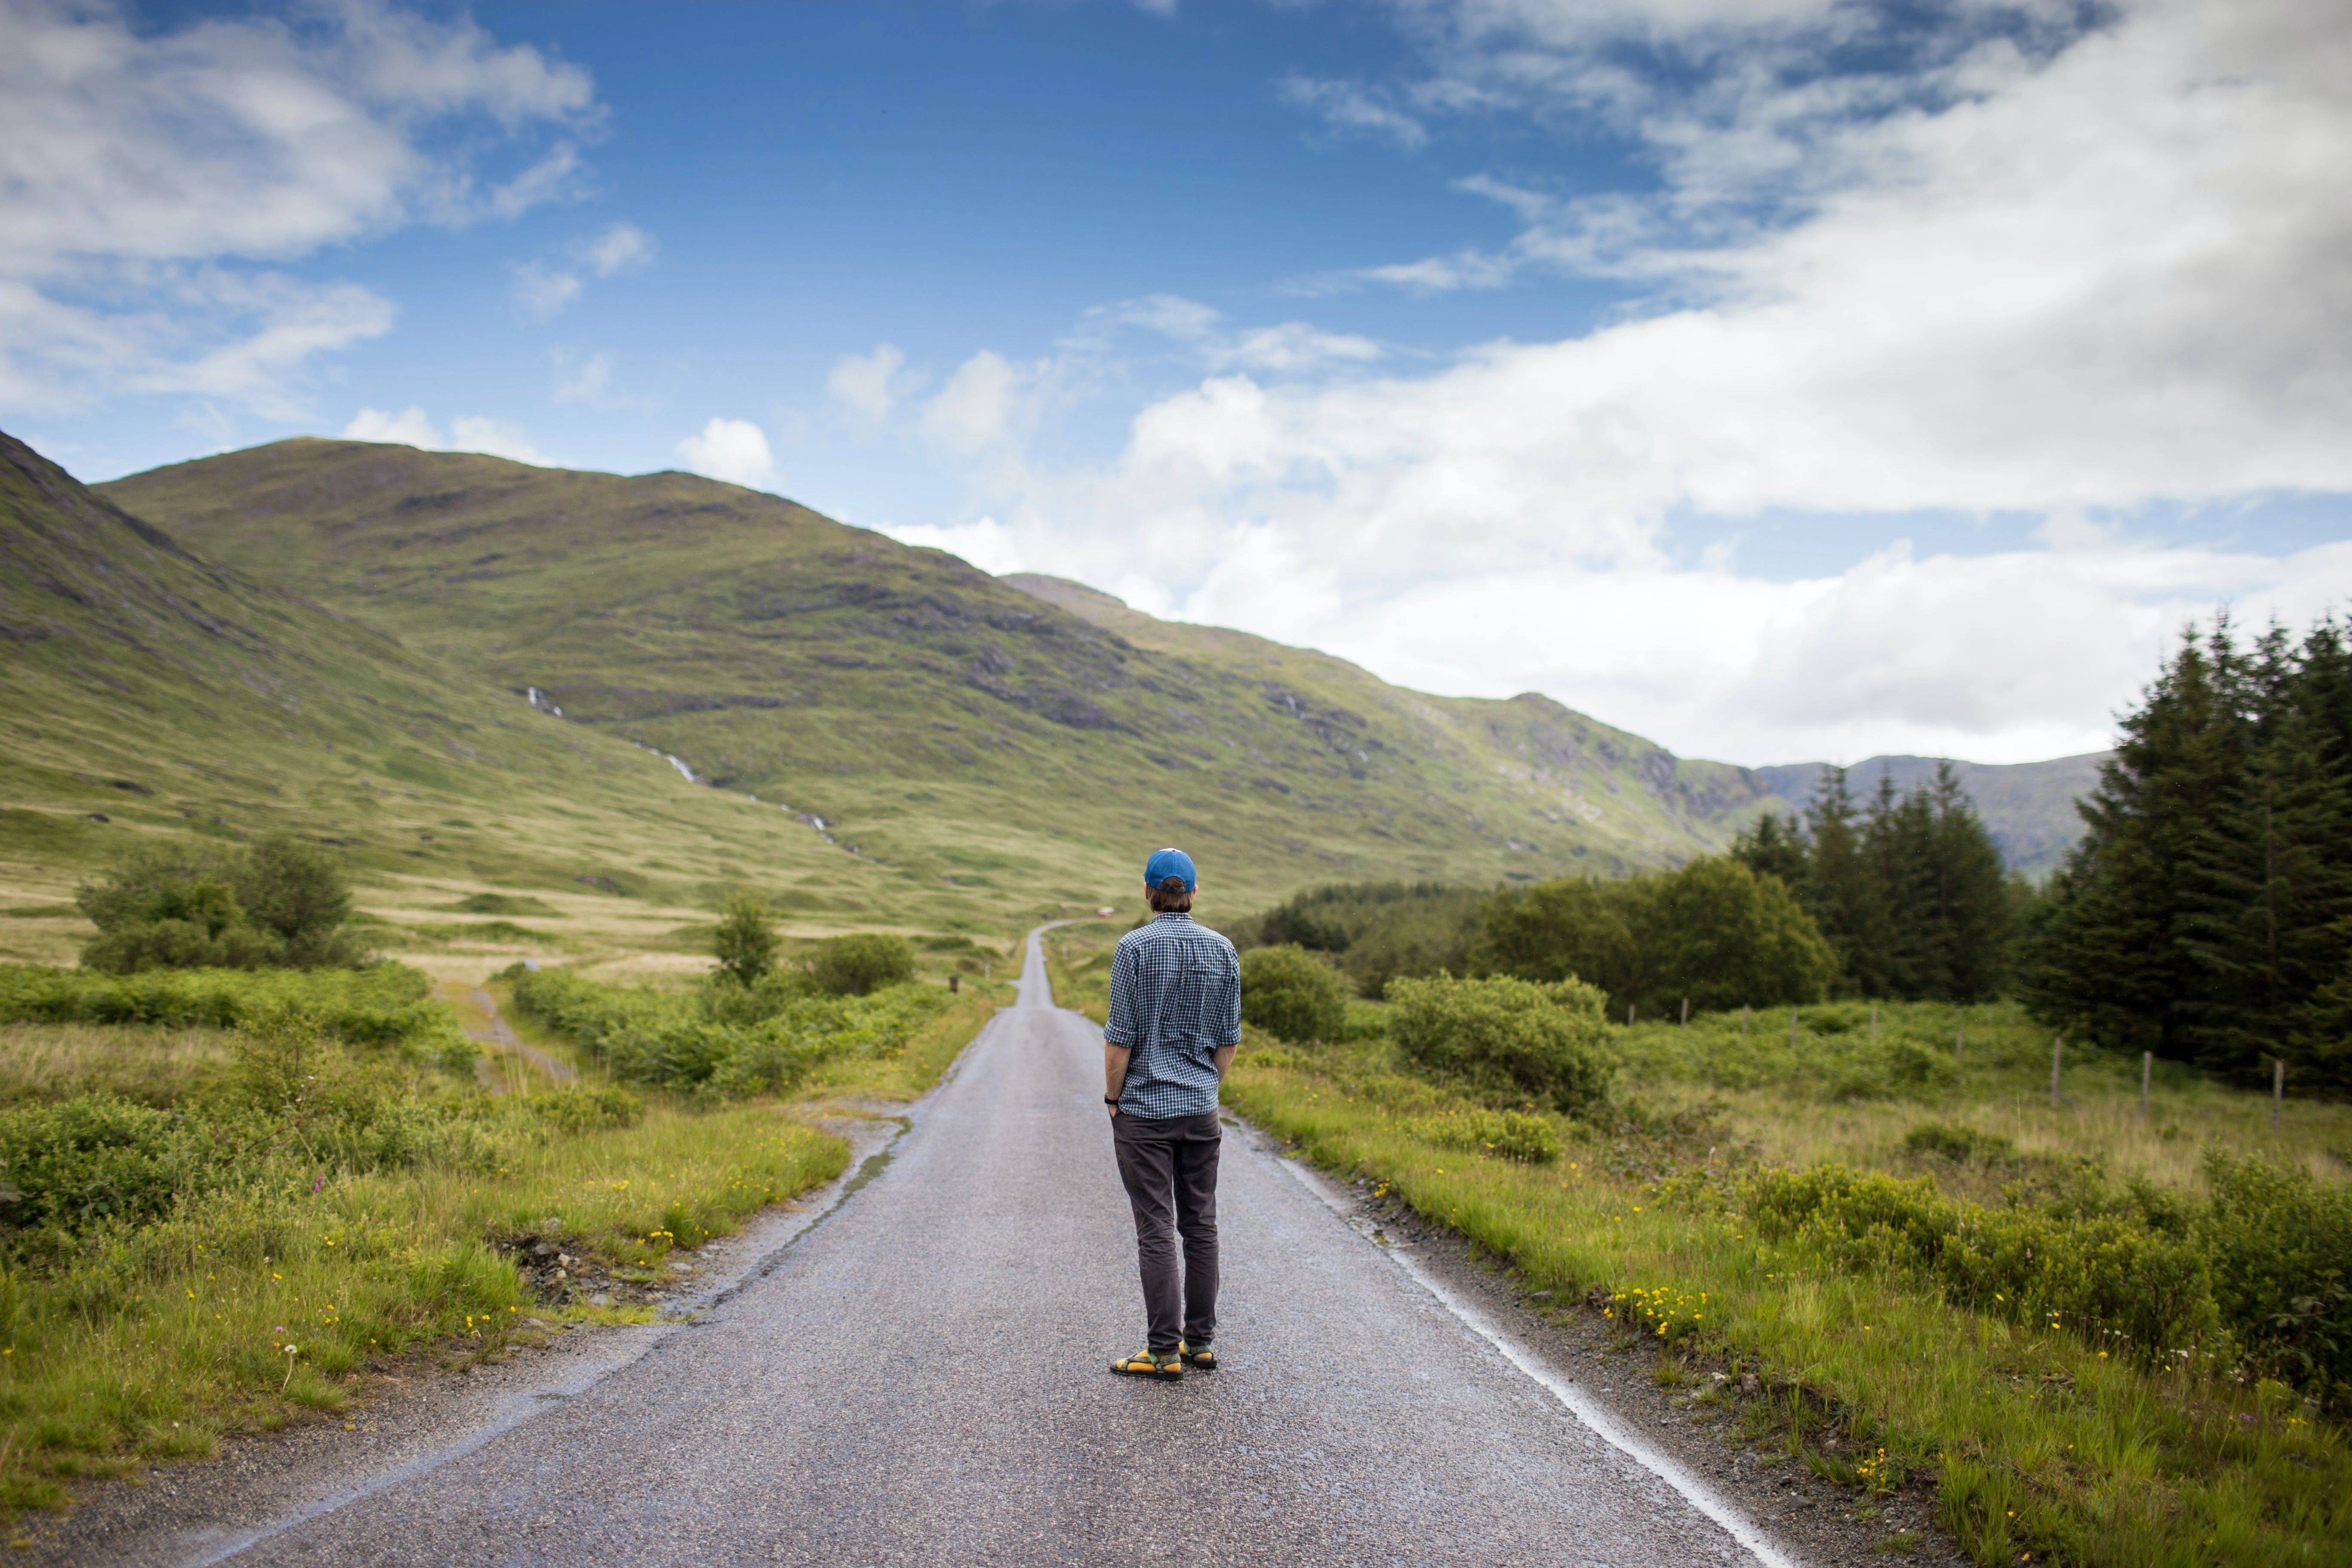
(863, 963)
(384, 1004)
(722, 1039)
(207, 906)
(1546, 1043)
(1291, 995)
(1496, 1134)
(2282, 1251)
(93, 1158)
(1961, 1146)
(2109, 1277)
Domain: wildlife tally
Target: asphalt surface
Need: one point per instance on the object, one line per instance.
(922, 1378)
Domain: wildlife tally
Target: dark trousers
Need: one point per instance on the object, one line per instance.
(1168, 1167)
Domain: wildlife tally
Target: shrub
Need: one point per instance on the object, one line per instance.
(686, 1040)
(2105, 1274)
(745, 944)
(1961, 1146)
(2281, 1249)
(92, 1159)
(202, 906)
(1291, 994)
(577, 1108)
(1547, 1042)
(860, 964)
(1496, 1134)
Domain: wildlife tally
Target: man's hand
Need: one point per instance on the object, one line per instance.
(1114, 1073)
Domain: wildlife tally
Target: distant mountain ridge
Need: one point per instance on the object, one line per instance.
(2027, 806)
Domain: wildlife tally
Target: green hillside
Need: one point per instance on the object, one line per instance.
(145, 689)
(970, 735)
(2028, 807)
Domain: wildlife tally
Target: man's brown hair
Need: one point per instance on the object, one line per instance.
(1170, 898)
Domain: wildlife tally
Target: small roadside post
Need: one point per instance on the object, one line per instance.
(1629, 1014)
(1792, 1028)
(1745, 1013)
(954, 984)
(2147, 1072)
(1685, 1012)
(2278, 1090)
(1960, 1043)
(2057, 1056)
(1873, 1022)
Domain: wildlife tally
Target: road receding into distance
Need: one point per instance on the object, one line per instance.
(922, 1378)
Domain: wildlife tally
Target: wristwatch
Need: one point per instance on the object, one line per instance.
(1110, 1099)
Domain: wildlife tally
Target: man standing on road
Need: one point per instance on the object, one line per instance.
(1175, 1018)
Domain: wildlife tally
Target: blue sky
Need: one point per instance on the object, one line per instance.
(1787, 379)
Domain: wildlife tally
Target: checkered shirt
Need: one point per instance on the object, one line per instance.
(1175, 1000)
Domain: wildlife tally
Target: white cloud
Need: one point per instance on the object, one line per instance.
(986, 543)
(869, 385)
(735, 450)
(624, 248)
(585, 383)
(1348, 107)
(542, 293)
(468, 433)
(974, 410)
(2072, 275)
(144, 169)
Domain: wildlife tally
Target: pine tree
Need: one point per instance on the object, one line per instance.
(1974, 907)
(2116, 952)
(1840, 891)
(1773, 848)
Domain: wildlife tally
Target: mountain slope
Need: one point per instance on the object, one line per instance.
(2028, 806)
(960, 731)
(144, 688)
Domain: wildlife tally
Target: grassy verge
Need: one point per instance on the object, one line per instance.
(219, 1213)
(2036, 1440)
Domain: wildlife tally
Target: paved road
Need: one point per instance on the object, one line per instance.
(922, 1379)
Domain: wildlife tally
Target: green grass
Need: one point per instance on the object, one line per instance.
(266, 1292)
(2034, 1440)
(161, 1342)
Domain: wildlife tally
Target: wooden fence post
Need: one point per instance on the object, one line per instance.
(1792, 1027)
(1629, 1014)
(1686, 1011)
(1874, 1021)
(2278, 1090)
(2147, 1072)
(1744, 1014)
(2057, 1055)
(1960, 1043)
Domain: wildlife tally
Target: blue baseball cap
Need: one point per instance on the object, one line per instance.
(1167, 863)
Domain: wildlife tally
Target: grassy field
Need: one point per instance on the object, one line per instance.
(2037, 1437)
(275, 1251)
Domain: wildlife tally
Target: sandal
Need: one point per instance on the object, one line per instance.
(1201, 1357)
(1149, 1363)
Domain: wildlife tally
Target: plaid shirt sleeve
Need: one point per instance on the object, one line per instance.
(1229, 1025)
(1120, 1030)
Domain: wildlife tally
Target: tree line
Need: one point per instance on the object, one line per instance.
(1903, 899)
(2206, 915)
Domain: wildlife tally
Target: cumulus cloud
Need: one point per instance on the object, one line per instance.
(869, 385)
(974, 410)
(2074, 272)
(735, 450)
(467, 433)
(144, 171)
(624, 248)
(543, 293)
